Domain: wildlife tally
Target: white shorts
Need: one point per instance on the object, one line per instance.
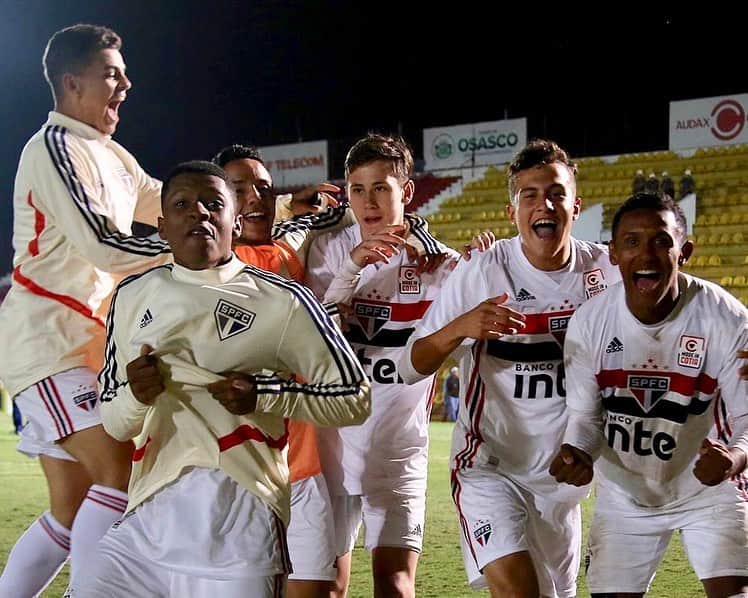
(390, 519)
(498, 518)
(203, 526)
(55, 408)
(311, 533)
(714, 535)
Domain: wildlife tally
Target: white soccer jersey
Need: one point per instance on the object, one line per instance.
(390, 449)
(645, 397)
(232, 318)
(512, 413)
(75, 194)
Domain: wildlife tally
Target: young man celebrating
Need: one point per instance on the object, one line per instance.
(211, 444)
(656, 399)
(377, 472)
(76, 195)
(508, 308)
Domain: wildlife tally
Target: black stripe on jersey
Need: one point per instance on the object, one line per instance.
(348, 366)
(275, 385)
(108, 374)
(662, 409)
(418, 229)
(524, 352)
(54, 139)
(326, 219)
(383, 338)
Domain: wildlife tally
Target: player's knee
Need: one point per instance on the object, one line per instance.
(397, 584)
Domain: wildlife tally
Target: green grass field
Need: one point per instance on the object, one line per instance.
(23, 497)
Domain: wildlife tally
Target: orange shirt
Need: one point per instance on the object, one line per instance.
(279, 258)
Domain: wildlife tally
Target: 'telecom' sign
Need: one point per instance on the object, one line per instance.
(476, 144)
(708, 121)
(296, 163)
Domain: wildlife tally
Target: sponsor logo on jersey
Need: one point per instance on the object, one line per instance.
(557, 326)
(86, 400)
(524, 295)
(614, 346)
(146, 319)
(231, 319)
(482, 532)
(410, 282)
(691, 351)
(594, 282)
(371, 316)
(648, 389)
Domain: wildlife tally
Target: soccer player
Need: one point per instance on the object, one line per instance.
(376, 472)
(185, 347)
(76, 194)
(656, 399)
(505, 312)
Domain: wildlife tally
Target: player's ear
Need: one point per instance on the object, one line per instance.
(161, 232)
(236, 230)
(409, 189)
(612, 254)
(577, 209)
(685, 252)
(510, 212)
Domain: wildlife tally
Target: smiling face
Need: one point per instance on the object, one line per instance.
(255, 198)
(199, 221)
(544, 208)
(94, 94)
(378, 197)
(649, 247)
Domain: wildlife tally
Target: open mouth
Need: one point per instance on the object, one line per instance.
(203, 233)
(646, 280)
(545, 228)
(250, 216)
(112, 109)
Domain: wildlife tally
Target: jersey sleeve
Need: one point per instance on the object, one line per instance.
(65, 184)
(462, 291)
(121, 413)
(584, 429)
(734, 390)
(148, 208)
(338, 392)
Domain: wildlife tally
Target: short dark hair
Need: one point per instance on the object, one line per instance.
(69, 51)
(194, 167)
(237, 152)
(537, 153)
(373, 147)
(656, 202)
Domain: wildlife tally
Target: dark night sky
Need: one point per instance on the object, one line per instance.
(211, 72)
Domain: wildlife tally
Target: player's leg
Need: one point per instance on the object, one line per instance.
(394, 523)
(715, 537)
(347, 516)
(496, 544)
(311, 540)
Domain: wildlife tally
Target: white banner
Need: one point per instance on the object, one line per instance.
(296, 163)
(708, 121)
(477, 144)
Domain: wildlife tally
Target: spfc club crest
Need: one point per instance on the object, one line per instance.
(482, 532)
(648, 389)
(557, 326)
(86, 400)
(371, 316)
(231, 319)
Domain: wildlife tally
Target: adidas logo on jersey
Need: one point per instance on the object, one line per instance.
(524, 295)
(416, 531)
(146, 319)
(614, 346)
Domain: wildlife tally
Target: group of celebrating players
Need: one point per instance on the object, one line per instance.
(217, 409)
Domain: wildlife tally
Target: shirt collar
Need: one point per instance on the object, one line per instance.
(219, 275)
(76, 126)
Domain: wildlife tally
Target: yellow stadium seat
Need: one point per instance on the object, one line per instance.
(739, 281)
(725, 281)
(701, 261)
(725, 239)
(737, 238)
(714, 260)
(701, 220)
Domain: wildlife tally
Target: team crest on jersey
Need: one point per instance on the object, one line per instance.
(691, 351)
(126, 179)
(410, 282)
(482, 531)
(86, 400)
(232, 320)
(594, 282)
(371, 316)
(648, 389)
(557, 326)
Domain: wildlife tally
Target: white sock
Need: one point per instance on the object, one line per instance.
(99, 510)
(36, 558)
